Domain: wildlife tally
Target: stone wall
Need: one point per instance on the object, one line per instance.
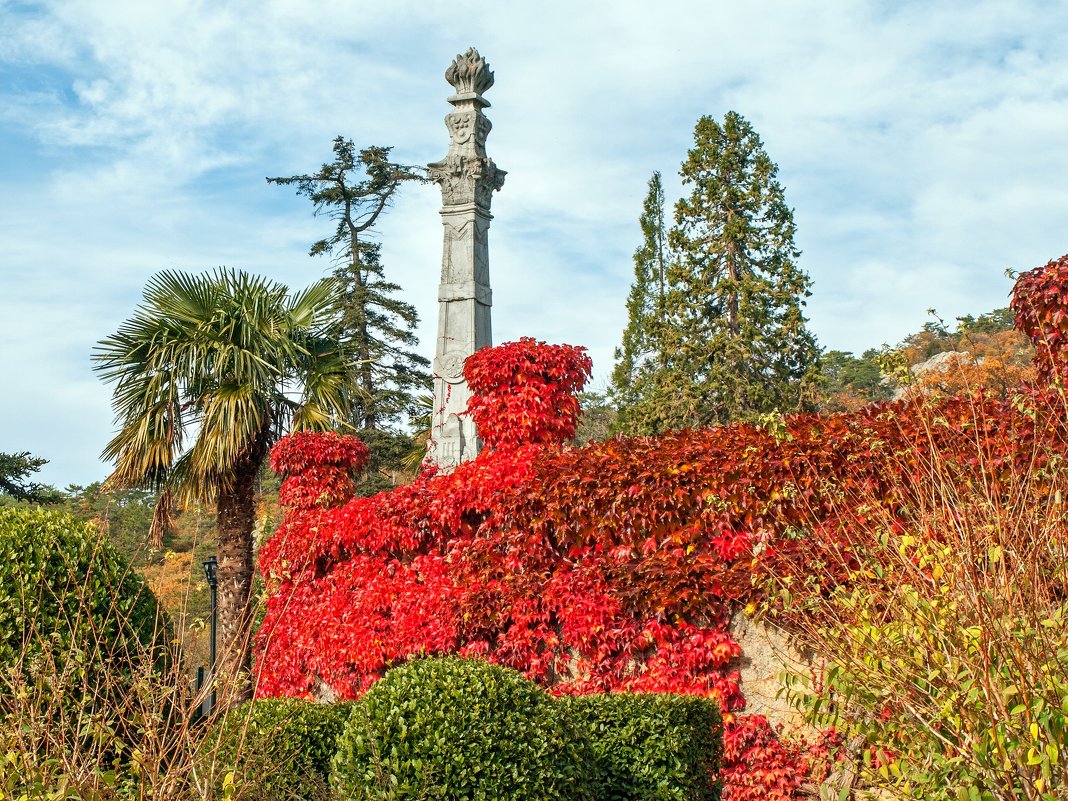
(766, 655)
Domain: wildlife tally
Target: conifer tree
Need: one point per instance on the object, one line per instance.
(15, 484)
(728, 337)
(640, 359)
(376, 326)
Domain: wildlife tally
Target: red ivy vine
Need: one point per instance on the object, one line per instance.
(318, 468)
(617, 565)
(1040, 300)
(525, 392)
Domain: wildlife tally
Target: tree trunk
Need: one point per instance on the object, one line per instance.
(363, 349)
(363, 344)
(236, 519)
(370, 417)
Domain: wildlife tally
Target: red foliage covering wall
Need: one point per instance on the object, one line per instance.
(318, 468)
(613, 566)
(525, 392)
(1040, 300)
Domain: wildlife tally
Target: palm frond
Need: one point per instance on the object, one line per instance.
(311, 308)
(422, 421)
(162, 518)
(221, 358)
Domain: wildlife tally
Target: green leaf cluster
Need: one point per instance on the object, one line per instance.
(66, 591)
(452, 729)
(656, 747)
(957, 702)
(274, 748)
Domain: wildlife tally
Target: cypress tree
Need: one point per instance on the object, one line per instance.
(640, 359)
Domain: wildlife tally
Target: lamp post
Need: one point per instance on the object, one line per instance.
(211, 570)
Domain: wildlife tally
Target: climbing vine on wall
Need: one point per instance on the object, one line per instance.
(617, 565)
(526, 392)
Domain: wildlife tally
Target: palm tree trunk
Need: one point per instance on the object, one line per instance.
(236, 519)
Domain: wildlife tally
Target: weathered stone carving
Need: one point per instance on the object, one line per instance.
(463, 125)
(467, 174)
(468, 179)
(454, 237)
(450, 366)
(469, 73)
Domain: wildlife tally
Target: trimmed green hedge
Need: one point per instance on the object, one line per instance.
(654, 747)
(85, 651)
(453, 729)
(275, 748)
(65, 591)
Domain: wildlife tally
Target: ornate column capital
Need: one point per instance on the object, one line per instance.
(468, 178)
(466, 174)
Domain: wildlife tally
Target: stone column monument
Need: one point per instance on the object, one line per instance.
(467, 177)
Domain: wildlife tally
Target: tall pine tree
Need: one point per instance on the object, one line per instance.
(732, 342)
(377, 327)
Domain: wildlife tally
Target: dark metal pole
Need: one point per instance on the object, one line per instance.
(202, 709)
(211, 567)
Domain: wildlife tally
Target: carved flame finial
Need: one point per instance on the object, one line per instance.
(469, 73)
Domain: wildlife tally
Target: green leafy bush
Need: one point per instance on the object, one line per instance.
(451, 729)
(87, 674)
(655, 747)
(955, 707)
(66, 593)
(945, 645)
(274, 748)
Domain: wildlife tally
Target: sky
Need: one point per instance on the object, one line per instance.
(921, 146)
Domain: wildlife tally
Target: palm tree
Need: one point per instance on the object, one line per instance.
(208, 373)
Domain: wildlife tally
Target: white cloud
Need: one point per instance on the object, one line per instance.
(921, 146)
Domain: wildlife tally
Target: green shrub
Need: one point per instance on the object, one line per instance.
(86, 660)
(451, 729)
(274, 748)
(66, 593)
(655, 747)
(945, 652)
